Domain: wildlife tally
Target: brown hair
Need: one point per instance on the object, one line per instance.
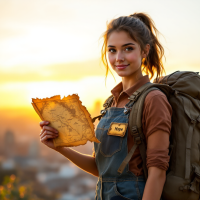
(141, 28)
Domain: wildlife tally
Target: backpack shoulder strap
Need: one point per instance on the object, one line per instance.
(108, 102)
(135, 122)
(135, 118)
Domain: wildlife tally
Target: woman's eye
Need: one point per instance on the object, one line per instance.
(128, 48)
(112, 50)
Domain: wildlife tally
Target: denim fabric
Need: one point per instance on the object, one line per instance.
(109, 155)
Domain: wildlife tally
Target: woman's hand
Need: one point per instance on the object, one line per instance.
(83, 161)
(47, 134)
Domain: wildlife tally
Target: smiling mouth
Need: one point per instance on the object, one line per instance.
(121, 67)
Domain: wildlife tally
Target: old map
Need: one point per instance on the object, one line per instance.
(69, 117)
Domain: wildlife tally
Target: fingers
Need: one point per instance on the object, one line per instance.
(47, 135)
(43, 123)
(48, 128)
(45, 132)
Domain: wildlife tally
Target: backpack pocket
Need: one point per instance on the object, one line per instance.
(179, 188)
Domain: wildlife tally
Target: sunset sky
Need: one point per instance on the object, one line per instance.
(51, 47)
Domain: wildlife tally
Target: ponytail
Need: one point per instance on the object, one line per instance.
(141, 28)
(153, 62)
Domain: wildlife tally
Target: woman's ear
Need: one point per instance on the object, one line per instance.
(146, 51)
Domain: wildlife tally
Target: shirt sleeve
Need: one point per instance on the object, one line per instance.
(158, 158)
(157, 115)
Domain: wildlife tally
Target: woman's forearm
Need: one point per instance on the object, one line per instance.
(83, 161)
(154, 185)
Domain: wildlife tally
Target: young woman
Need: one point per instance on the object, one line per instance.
(131, 47)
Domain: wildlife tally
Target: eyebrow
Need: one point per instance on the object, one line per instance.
(122, 45)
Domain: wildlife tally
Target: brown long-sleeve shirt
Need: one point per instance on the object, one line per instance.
(157, 114)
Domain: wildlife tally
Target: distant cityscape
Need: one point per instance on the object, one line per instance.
(50, 174)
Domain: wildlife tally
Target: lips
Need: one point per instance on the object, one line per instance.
(121, 67)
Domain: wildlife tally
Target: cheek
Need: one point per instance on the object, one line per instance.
(132, 57)
(111, 59)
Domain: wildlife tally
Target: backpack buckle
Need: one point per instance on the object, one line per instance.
(136, 135)
(134, 130)
(183, 188)
(193, 121)
(137, 140)
(134, 97)
(106, 105)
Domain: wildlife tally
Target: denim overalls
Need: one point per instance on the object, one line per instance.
(109, 155)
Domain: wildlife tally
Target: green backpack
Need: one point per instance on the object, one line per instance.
(183, 92)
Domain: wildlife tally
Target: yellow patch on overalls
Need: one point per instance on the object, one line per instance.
(117, 129)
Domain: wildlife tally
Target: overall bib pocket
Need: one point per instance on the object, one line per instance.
(109, 144)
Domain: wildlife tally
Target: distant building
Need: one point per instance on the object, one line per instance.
(22, 149)
(34, 149)
(9, 144)
(8, 164)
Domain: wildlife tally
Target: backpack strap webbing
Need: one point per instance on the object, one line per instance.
(138, 92)
(108, 102)
(137, 119)
(135, 123)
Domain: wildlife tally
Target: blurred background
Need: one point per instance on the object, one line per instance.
(52, 47)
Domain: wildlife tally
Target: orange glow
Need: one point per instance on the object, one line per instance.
(52, 49)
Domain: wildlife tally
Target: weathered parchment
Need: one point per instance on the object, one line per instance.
(69, 117)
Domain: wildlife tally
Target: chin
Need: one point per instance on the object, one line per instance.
(123, 74)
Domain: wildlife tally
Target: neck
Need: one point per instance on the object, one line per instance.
(129, 81)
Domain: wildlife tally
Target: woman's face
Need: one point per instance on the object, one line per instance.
(124, 54)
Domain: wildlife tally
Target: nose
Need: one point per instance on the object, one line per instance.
(119, 57)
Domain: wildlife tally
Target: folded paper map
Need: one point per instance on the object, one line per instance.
(69, 117)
